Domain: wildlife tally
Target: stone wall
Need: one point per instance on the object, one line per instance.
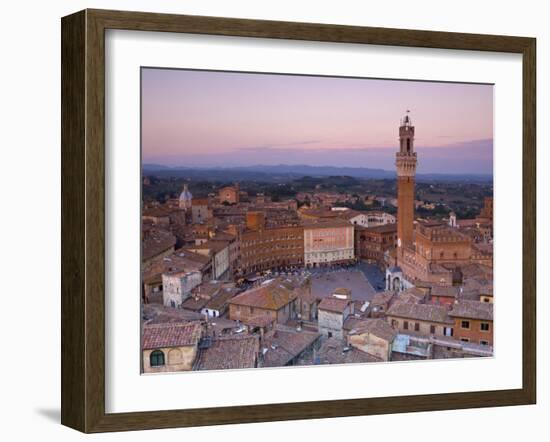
(175, 358)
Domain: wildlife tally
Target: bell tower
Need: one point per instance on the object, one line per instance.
(405, 161)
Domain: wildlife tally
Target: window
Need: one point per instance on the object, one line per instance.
(157, 358)
(406, 325)
(484, 326)
(464, 339)
(416, 326)
(483, 342)
(465, 324)
(432, 329)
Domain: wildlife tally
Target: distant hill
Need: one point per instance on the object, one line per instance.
(281, 172)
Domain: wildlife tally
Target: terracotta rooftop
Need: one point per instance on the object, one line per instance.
(352, 322)
(421, 312)
(449, 292)
(282, 346)
(258, 321)
(326, 223)
(229, 352)
(213, 246)
(333, 351)
(155, 242)
(170, 335)
(178, 261)
(159, 314)
(195, 304)
(412, 295)
(156, 212)
(472, 310)
(382, 298)
(350, 214)
(384, 228)
(271, 295)
(376, 327)
(334, 305)
(221, 298)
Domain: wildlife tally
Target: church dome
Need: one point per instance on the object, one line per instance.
(186, 195)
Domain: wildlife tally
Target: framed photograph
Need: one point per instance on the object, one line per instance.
(266, 221)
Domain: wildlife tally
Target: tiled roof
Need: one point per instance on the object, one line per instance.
(377, 327)
(450, 292)
(259, 321)
(421, 312)
(472, 310)
(194, 303)
(384, 228)
(281, 346)
(350, 214)
(272, 295)
(381, 298)
(334, 304)
(158, 313)
(170, 335)
(333, 351)
(352, 322)
(231, 352)
(155, 242)
(157, 212)
(326, 223)
(221, 298)
(412, 295)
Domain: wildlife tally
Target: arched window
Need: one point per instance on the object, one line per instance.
(408, 145)
(157, 358)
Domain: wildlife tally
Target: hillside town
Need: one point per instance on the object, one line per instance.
(235, 280)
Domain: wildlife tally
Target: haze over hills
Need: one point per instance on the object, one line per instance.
(270, 173)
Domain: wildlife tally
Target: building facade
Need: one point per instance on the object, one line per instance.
(328, 242)
(426, 319)
(199, 210)
(373, 242)
(333, 312)
(177, 286)
(473, 322)
(264, 248)
(169, 347)
(229, 194)
(274, 300)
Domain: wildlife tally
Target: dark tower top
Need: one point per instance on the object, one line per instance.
(406, 136)
(406, 157)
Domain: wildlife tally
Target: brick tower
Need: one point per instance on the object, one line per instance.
(405, 161)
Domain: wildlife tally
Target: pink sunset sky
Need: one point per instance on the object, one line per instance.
(220, 119)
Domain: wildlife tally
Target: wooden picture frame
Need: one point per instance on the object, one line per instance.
(83, 220)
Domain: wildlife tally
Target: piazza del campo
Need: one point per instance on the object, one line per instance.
(236, 276)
